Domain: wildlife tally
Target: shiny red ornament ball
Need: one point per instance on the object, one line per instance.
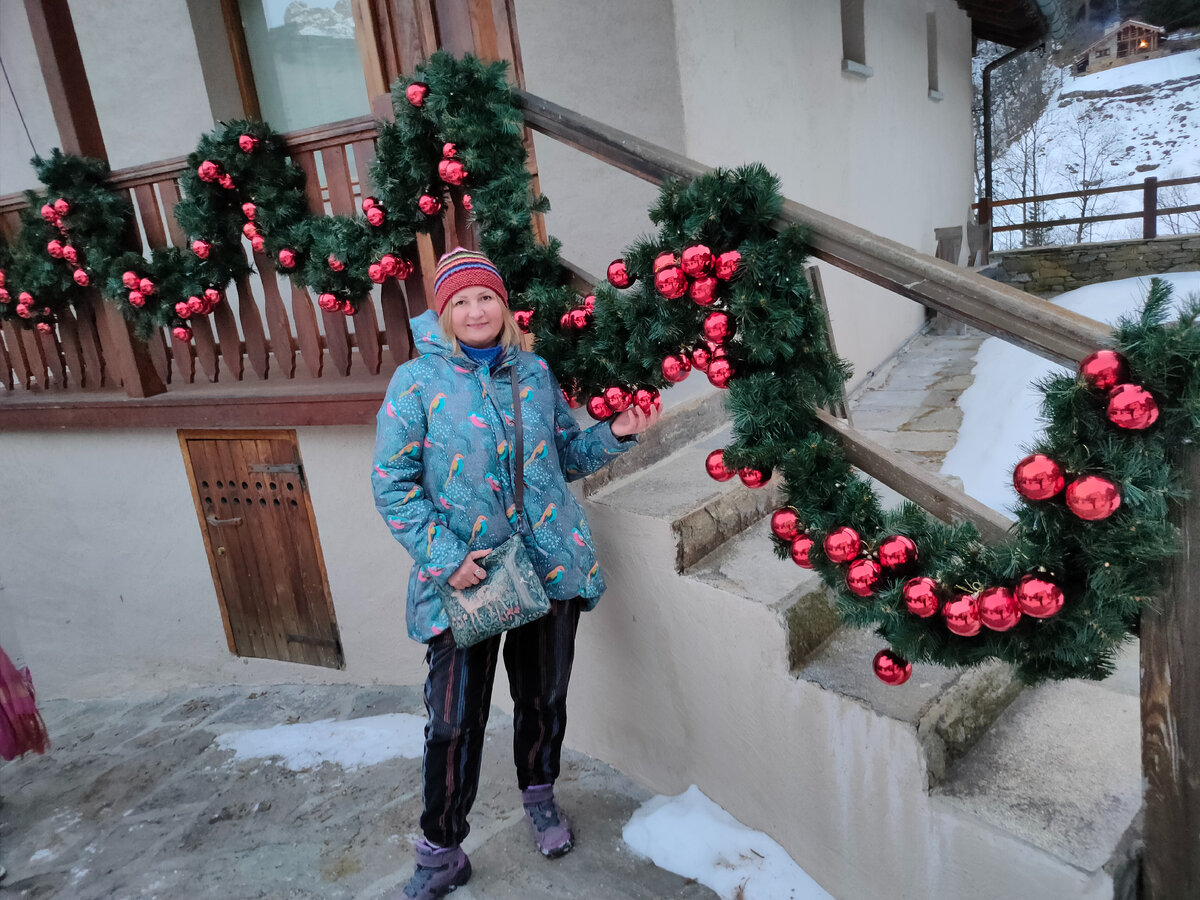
(403, 268)
(618, 274)
(183, 310)
(842, 544)
(208, 170)
(449, 150)
(201, 248)
(696, 261)
(676, 367)
(226, 181)
(1131, 407)
(647, 399)
(863, 576)
(146, 286)
(466, 202)
(1093, 498)
(25, 297)
(130, 279)
(589, 303)
(48, 213)
(754, 478)
(598, 409)
(258, 243)
(368, 202)
(1104, 369)
(891, 668)
(137, 299)
(61, 206)
(195, 306)
(249, 210)
(55, 249)
(5, 297)
(801, 548)
(897, 554)
(248, 143)
(703, 290)
(429, 205)
(523, 317)
(212, 296)
(998, 608)
(375, 216)
(785, 524)
(375, 273)
(45, 327)
(1038, 477)
(720, 372)
(452, 171)
(71, 255)
(714, 465)
(701, 356)
(579, 318)
(415, 93)
(23, 311)
(618, 398)
(719, 327)
(1038, 597)
(671, 282)
(665, 260)
(182, 333)
(334, 263)
(346, 308)
(389, 264)
(287, 258)
(727, 264)
(328, 302)
(921, 596)
(962, 615)
(81, 278)
(249, 229)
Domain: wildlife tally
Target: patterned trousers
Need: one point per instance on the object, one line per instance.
(458, 694)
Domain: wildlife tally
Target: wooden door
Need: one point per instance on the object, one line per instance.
(261, 538)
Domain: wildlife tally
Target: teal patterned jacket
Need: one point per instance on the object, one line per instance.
(443, 472)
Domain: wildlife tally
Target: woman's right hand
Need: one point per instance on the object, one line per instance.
(470, 573)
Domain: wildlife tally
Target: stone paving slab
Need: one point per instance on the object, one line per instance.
(136, 799)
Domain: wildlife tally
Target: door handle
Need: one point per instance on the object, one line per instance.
(213, 520)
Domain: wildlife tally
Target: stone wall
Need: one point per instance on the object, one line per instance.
(1053, 270)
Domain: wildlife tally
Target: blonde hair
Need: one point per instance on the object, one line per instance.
(510, 334)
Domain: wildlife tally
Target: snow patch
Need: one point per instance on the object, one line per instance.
(351, 744)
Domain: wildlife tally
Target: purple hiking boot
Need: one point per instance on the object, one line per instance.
(439, 871)
(549, 826)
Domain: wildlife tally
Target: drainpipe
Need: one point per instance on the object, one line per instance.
(987, 113)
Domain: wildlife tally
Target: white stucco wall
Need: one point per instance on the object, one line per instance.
(109, 589)
(27, 100)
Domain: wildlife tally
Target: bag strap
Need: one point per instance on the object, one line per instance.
(519, 484)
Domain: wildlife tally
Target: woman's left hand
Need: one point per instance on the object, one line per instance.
(634, 421)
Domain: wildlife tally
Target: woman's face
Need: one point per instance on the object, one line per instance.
(477, 316)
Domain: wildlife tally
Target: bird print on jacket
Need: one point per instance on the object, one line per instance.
(444, 466)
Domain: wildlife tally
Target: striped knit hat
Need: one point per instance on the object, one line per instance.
(461, 269)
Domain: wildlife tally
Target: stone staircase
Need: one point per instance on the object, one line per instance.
(730, 670)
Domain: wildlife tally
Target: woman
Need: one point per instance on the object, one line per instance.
(443, 482)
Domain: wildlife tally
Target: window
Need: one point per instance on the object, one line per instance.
(932, 45)
(854, 40)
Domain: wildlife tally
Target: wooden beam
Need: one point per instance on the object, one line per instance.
(995, 308)
(242, 68)
(66, 81)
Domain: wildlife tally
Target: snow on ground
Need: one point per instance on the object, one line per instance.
(1001, 408)
(1147, 72)
(693, 837)
(352, 743)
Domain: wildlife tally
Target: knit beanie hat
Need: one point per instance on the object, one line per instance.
(461, 268)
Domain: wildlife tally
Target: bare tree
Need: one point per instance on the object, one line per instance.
(1178, 195)
(1086, 148)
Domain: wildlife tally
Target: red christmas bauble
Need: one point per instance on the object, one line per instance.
(248, 143)
(375, 273)
(618, 274)
(182, 333)
(862, 577)
(23, 311)
(1038, 477)
(208, 170)
(61, 206)
(703, 290)
(727, 264)
(785, 524)
(226, 181)
(676, 367)
(25, 297)
(71, 255)
(429, 205)
(48, 213)
(130, 279)
(258, 243)
(4, 296)
(720, 372)
(801, 548)
(1038, 597)
(195, 306)
(55, 249)
(389, 264)
(452, 171)
(696, 261)
(146, 286)
(212, 296)
(346, 308)
(287, 258)
(719, 327)
(891, 668)
(647, 399)
(580, 318)
(81, 278)
(2, 278)
(328, 302)
(403, 268)
(45, 327)
(375, 216)
(1129, 406)
(523, 317)
(701, 356)
(201, 248)
(665, 260)
(137, 299)
(589, 303)
(1104, 369)
(921, 596)
(754, 478)
(618, 398)
(671, 282)
(962, 615)
(998, 608)
(449, 150)
(714, 465)
(334, 263)
(415, 93)
(1093, 498)
(183, 310)
(598, 408)
(466, 202)
(842, 544)
(897, 554)
(368, 202)
(249, 229)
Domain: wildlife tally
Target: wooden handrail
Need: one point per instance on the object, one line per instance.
(1111, 217)
(997, 309)
(1091, 192)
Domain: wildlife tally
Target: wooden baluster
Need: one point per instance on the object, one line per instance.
(252, 326)
(16, 355)
(483, 29)
(283, 345)
(169, 191)
(228, 338)
(308, 335)
(366, 334)
(185, 359)
(53, 356)
(206, 347)
(6, 366)
(395, 320)
(364, 155)
(72, 351)
(34, 357)
(92, 374)
(126, 359)
(464, 225)
(163, 349)
(160, 356)
(454, 27)
(337, 340)
(418, 300)
(341, 202)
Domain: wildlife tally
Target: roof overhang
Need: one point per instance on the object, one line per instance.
(1014, 23)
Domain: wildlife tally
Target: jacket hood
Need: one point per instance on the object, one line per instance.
(427, 335)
